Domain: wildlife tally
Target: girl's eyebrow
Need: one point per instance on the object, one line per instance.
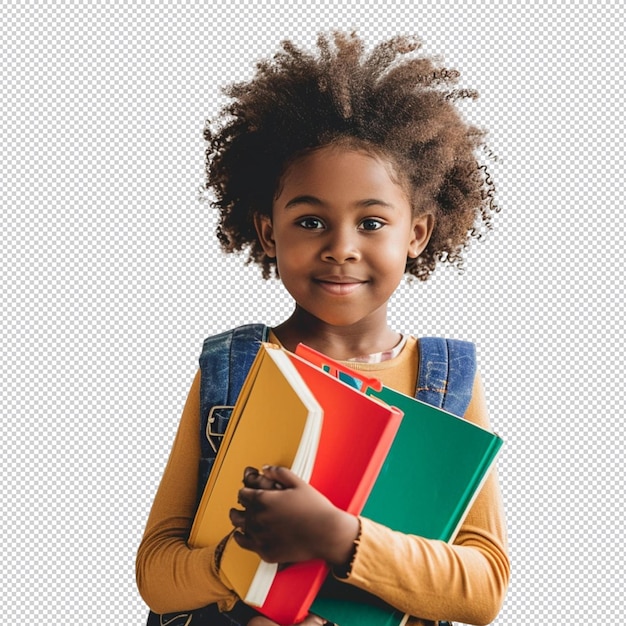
(303, 200)
(312, 200)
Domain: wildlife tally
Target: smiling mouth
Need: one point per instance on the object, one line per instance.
(340, 288)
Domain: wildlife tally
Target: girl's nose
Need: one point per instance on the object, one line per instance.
(341, 246)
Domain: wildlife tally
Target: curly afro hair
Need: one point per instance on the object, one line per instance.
(392, 102)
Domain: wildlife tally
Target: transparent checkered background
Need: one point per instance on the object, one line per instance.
(110, 278)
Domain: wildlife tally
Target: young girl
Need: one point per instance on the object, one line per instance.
(338, 172)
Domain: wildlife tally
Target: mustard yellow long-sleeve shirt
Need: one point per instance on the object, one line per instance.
(465, 581)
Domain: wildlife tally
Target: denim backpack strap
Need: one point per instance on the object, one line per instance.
(224, 363)
(447, 368)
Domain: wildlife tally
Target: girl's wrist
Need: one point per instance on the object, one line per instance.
(347, 530)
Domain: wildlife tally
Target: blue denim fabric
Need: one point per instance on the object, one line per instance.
(224, 364)
(446, 373)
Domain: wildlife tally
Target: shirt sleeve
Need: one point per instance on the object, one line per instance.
(465, 581)
(171, 576)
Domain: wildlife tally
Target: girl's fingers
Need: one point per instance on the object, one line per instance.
(237, 518)
(281, 476)
(250, 498)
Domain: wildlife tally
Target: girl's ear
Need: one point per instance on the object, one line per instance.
(265, 233)
(422, 230)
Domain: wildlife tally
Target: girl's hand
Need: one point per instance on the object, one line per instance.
(285, 520)
(309, 620)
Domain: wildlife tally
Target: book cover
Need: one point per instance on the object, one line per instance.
(262, 430)
(442, 461)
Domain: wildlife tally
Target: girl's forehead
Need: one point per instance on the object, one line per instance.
(341, 176)
(349, 160)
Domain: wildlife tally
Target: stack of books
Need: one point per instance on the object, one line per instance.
(364, 446)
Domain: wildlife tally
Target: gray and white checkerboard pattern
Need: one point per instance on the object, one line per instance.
(110, 278)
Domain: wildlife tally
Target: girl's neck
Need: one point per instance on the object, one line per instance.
(338, 342)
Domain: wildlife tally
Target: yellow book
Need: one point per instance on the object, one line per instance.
(276, 421)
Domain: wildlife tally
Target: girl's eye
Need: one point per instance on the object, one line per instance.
(311, 223)
(371, 224)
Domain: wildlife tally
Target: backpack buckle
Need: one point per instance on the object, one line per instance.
(218, 415)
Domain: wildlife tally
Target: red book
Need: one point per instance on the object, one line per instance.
(356, 436)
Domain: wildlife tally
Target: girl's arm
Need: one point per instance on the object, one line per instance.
(170, 575)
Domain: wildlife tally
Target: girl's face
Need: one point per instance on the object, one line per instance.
(341, 231)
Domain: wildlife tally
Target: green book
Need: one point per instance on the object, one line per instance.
(440, 460)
